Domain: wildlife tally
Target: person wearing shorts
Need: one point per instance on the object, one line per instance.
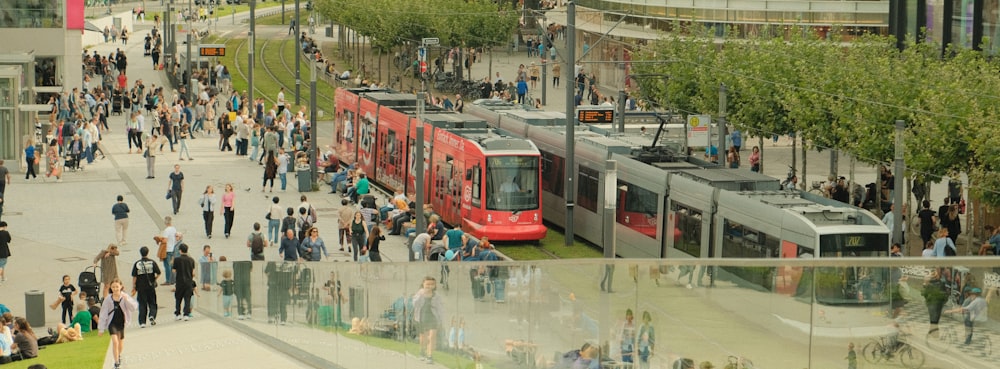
(116, 312)
(427, 313)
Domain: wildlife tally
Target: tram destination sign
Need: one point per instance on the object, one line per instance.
(212, 50)
(595, 116)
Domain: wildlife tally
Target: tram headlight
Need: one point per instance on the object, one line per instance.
(489, 218)
(626, 219)
(536, 217)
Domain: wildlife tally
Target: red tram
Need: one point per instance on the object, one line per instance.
(475, 176)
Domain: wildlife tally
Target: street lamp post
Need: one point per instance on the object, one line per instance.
(312, 127)
(253, 44)
(298, 56)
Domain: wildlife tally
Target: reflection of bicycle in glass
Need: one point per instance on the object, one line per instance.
(886, 348)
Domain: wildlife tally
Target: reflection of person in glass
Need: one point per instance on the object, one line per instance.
(428, 313)
(510, 185)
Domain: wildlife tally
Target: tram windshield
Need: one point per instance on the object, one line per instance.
(512, 183)
(854, 245)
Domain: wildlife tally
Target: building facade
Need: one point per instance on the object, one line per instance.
(39, 56)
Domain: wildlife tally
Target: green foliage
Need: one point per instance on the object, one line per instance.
(840, 95)
(390, 23)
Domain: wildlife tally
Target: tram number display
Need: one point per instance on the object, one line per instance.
(596, 116)
(513, 162)
(854, 241)
(212, 51)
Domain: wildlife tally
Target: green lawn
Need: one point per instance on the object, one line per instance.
(276, 20)
(88, 353)
(445, 359)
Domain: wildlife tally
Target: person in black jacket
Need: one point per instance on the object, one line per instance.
(183, 268)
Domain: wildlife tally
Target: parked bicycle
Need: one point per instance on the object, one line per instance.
(888, 347)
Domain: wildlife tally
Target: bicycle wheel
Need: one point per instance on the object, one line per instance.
(940, 340)
(910, 357)
(872, 352)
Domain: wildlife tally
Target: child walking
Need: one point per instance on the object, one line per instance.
(227, 290)
(116, 313)
(65, 299)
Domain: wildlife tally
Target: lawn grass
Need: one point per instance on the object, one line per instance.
(441, 357)
(275, 20)
(88, 353)
(273, 58)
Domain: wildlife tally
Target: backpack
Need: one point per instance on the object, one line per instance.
(257, 244)
(306, 224)
(949, 250)
(312, 215)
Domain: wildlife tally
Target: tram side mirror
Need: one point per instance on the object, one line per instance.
(468, 174)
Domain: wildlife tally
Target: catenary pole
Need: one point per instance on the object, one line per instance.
(570, 120)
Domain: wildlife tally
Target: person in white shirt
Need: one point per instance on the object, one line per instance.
(170, 234)
(281, 100)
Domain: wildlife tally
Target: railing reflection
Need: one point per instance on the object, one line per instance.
(530, 315)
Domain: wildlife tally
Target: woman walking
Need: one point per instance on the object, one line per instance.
(116, 313)
(359, 234)
(228, 207)
(108, 259)
(150, 155)
(270, 171)
(374, 239)
(313, 248)
(428, 311)
(29, 159)
(184, 133)
(54, 163)
(208, 204)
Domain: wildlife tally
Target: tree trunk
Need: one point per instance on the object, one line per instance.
(760, 146)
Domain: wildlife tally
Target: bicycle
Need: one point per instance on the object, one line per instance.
(943, 339)
(880, 349)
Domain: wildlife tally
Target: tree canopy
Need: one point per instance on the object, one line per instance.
(842, 95)
(390, 23)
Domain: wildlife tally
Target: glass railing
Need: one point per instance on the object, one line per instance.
(762, 313)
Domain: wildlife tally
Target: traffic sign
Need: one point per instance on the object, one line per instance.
(430, 41)
(422, 54)
(423, 66)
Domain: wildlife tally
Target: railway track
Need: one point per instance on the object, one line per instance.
(243, 74)
(291, 71)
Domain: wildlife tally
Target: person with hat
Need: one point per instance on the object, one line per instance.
(973, 310)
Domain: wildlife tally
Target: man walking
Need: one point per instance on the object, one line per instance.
(4, 177)
(176, 187)
(120, 211)
(145, 272)
(184, 273)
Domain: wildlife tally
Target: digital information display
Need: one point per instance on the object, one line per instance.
(596, 116)
(212, 50)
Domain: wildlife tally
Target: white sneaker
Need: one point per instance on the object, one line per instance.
(142, 325)
(240, 317)
(177, 317)
(186, 317)
(689, 286)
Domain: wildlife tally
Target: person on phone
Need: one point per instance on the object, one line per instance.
(428, 313)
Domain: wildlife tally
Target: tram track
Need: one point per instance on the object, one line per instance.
(243, 74)
(281, 57)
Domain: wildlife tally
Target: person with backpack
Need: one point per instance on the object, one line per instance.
(145, 272)
(256, 242)
(944, 246)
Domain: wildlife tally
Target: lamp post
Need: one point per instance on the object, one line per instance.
(419, 164)
(570, 119)
(298, 56)
(253, 44)
(312, 125)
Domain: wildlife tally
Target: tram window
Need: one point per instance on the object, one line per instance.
(348, 127)
(552, 173)
(587, 184)
(688, 223)
(637, 199)
(391, 144)
(476, 185)
(512, 183)
(744, 242)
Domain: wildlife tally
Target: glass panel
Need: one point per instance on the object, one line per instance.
(32, 14)
(587, 184)
(6, 93)
(991, 26)
(46, 72)
(9, 147)
(512, 183)
(638, 208)
(553, 172)
(961, 26)
(687, 235)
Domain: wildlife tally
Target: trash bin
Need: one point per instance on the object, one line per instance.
(305, 181)
(329, 31)
(34, 307)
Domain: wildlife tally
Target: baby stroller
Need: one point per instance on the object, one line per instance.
(89, 283)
